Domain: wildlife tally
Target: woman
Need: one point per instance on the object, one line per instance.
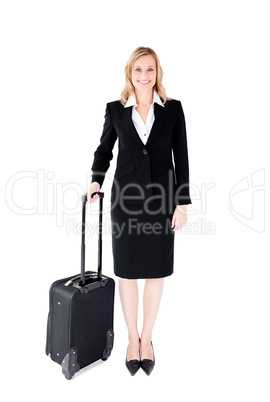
(149, 194)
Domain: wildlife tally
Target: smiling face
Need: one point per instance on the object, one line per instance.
(144, 73)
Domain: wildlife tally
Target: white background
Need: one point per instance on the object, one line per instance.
(61, 62)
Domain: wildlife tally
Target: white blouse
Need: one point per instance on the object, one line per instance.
(143, 130)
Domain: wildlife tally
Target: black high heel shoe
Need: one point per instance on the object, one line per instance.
(147, 365)
(133, 365)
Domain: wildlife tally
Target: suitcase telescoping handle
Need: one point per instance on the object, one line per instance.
(84, 199)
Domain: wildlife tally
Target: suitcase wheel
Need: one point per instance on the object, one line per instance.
(69, 363)
(109, 345)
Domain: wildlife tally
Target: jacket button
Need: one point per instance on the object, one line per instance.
(145, 152)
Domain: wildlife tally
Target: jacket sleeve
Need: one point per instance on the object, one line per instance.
(180, 154)
(103, 154)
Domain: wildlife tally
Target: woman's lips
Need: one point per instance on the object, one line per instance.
(144, 82)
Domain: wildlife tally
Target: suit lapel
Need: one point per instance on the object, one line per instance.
(160, 113)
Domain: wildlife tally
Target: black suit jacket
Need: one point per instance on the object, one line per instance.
(144, 172)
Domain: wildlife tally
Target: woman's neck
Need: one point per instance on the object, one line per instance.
(144, 98)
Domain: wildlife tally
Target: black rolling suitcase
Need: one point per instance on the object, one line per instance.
(80, 320)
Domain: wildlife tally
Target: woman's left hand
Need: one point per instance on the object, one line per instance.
(179, 217)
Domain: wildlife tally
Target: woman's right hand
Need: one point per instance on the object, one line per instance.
(95, 187)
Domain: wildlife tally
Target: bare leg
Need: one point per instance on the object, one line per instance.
(128, 290)
(151, 300)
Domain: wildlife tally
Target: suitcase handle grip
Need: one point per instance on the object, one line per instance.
(84, 199)
(84, 196)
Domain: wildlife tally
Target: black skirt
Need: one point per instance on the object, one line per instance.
(142, 241)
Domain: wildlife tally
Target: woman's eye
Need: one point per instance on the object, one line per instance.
(138, 69)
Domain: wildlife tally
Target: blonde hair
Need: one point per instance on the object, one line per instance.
(129, 87)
